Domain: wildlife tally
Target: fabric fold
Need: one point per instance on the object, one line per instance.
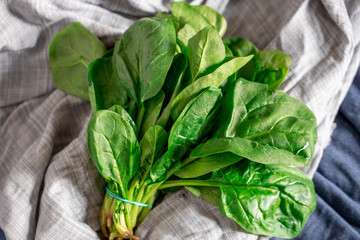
(48, 186)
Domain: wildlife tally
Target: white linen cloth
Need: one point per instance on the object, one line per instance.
(50, 189)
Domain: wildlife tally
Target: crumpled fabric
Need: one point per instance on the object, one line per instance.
(50, 189)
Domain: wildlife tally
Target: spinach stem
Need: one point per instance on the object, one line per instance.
(136, 212)
(135, 209)
(145, 211)
(177, 183)
(169, 174)
(140, 117)
(127, 211)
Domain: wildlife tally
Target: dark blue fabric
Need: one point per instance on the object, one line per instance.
(2, 235)
(337, 180)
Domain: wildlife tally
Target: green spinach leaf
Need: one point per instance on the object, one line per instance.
(214, 18)
(271, 200)
(241, 47)
(185, 131)
(70, 52)
(186, 14)
(198, 17)
(269, 67)
(268, 200)
(201, 166)
(152, 146)
(113, 147)
(152, 111)
(102, 82)
(253, 150)
(143, 55)
(213, 79)
(172, 86)
(125, 116)
(166, 15)
(274, 66)
(184, 35)
(205, 50)
(263, 126)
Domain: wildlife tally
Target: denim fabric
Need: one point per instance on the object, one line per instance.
(337, 180)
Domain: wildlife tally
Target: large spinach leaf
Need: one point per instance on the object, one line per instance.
(70, 52)
(113, 147)
(253, 150)
(263, 126)
(268, 200)
(205, 50)
(143, 55)
(185, 131)
(271, 200)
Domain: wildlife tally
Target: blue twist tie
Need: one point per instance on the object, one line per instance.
(123, 199)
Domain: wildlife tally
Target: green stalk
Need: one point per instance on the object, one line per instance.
(145, 211)
(129, 207)
(140, 117)
(148, 193)
(106, 214)
(127, 211)
(200, 183)
(135, 208)
(120, 222)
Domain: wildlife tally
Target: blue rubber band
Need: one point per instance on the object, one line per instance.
(123, 199)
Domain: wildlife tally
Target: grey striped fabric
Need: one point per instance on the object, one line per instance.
(49, 188)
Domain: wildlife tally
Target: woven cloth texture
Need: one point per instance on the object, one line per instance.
(50, 189)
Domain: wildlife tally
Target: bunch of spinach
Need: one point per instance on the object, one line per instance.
(175, 105)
